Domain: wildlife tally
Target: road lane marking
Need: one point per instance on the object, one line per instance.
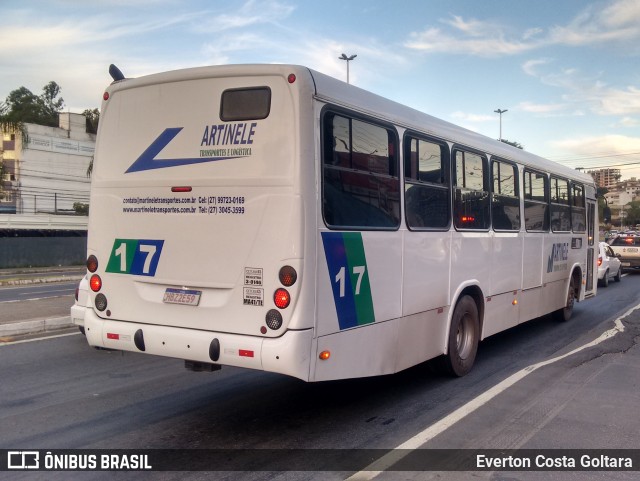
(388, 460)
(2, 344)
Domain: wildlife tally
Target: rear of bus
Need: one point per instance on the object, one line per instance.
(196, 243)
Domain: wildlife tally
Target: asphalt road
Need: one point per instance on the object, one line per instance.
(37, 291)
(58, 393)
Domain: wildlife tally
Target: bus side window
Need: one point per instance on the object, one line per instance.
(560, 208)
(536, 201)
(471, 201)
(427, 203)
(578, 209)
(505, 199)
(361, 187)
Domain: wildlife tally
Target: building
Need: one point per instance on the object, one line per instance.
(605, 177)
(48, 173)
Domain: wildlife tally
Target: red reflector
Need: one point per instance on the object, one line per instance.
(95, 283)
(181, 189)
(105, 96)
(281, 298)
(115, 337)
(291, 78)
(245, 353)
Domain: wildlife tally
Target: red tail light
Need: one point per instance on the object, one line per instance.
(95, 283)
(599, 261)
(281, 298)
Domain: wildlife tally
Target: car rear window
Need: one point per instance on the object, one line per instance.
(626, 241)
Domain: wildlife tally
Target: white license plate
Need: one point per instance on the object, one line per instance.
(632, 249)
(185, 297)
(625, 264)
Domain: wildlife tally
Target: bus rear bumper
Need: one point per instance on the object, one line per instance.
(289, 354)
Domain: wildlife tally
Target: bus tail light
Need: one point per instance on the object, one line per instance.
(288, 276)
(101, 302)
(92, 263)
(273, 320)
(95, 283)
(281, 298)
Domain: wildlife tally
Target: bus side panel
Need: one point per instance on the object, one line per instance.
(366, 351)
(357, 281)
(426, 271)
(532, 261)
(421, 336)
(470, 252)
(501, 313)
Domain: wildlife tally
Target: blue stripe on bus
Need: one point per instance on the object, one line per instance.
(336, 255)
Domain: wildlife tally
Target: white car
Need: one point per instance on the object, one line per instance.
(81, 303)
(609, 265)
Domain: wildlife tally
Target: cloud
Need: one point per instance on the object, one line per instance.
(468, 37)
(541, 108)
(469, 117)
(253, 12)
(616, 22)
(605, 145)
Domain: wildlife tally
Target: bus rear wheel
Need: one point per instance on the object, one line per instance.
(564, 314)
(464, 337)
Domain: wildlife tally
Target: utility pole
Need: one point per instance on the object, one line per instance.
(348, 59)
(500, 112)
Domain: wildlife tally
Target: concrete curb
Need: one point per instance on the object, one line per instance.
(39, 280)
(34, 326)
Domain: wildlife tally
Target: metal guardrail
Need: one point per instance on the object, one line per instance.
(51, 222)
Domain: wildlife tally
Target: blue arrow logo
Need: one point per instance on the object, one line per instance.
(148, 161)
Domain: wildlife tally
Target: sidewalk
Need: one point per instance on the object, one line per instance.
(20, 319)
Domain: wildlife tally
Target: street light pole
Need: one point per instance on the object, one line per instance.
(500, 112)
(348, 59)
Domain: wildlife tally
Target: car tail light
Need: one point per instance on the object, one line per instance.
(599, 261)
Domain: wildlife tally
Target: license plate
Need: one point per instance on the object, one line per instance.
(625, 264)
(185, 297)
(632, 249)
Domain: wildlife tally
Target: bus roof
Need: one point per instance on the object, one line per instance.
(332, 90)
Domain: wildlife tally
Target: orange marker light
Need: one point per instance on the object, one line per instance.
(325, 355)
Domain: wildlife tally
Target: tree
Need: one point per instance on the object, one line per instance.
(632, 213)
(23, 106)
(93, 118)
(513, 144)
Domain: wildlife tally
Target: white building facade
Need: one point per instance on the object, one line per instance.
(48, 173)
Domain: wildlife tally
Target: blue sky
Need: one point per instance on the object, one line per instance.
(567, 71)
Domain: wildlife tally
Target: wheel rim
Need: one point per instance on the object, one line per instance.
(464, 336)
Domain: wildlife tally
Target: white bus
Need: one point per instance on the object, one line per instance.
(271, 217)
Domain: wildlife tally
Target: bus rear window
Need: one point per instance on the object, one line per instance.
(245, 104)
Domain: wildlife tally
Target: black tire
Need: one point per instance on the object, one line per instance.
(618, 276)
(564, 314)
(81, 329)
(605, 280)
(464, 337)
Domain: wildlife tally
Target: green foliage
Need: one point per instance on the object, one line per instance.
(81, 208)
(513, 144)
(93, 118)
(23, 106)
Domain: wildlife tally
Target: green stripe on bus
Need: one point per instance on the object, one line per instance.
(359, 272)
